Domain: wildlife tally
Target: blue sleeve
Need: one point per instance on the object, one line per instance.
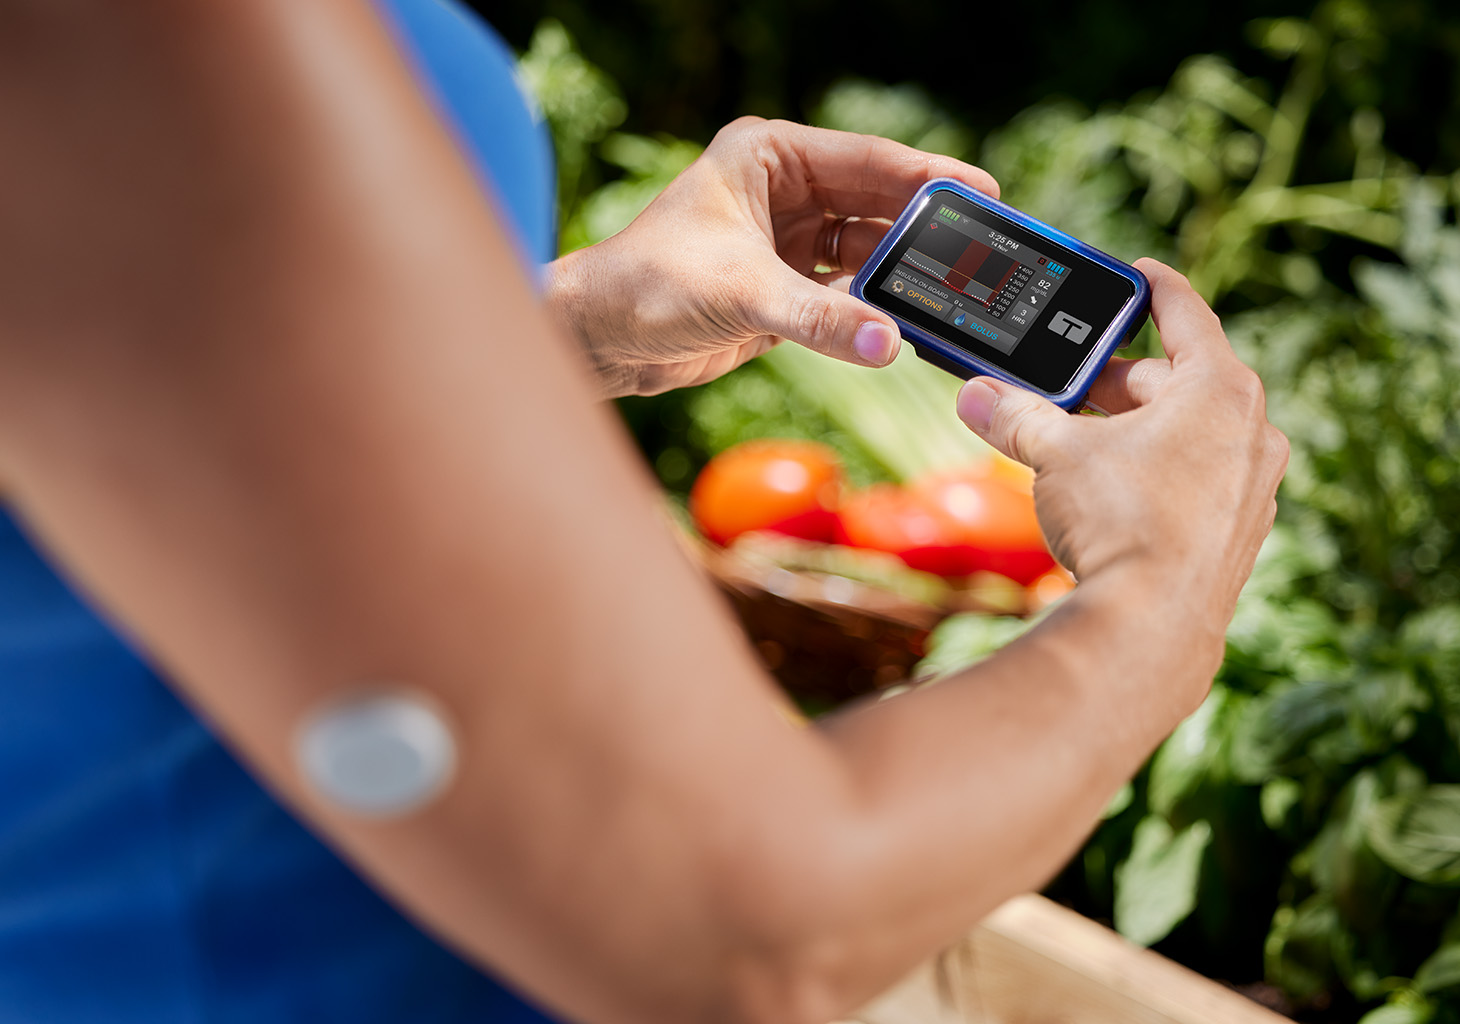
(469, 73)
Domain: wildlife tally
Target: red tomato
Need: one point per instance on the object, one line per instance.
(953, 524)
(791, 487)
(991, 524)
(886, 517)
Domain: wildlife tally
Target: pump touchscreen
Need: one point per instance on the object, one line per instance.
(987, 284)
(1006, 295)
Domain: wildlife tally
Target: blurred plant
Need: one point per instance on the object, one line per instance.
(1216, 162)
(1221, 158)
(904, 113)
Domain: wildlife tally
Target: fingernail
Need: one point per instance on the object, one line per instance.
(976, 404)
(876, 343)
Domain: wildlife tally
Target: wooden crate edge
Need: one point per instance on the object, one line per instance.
(1035, 962)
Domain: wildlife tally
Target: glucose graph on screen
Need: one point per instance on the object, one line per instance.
(976, 277)
(962, 263)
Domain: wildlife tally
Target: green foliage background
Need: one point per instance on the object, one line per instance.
(1304, 825)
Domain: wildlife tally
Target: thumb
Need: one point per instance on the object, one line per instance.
(825, 320)
(1019, 423)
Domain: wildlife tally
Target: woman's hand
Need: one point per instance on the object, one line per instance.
(1177, 484)
(724, 263)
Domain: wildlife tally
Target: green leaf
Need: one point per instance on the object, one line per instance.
(1189, 755)
(1441, 970)
(651, 163)
(1118, 803)
(1344, 864)
(1298, 953)
(1277, 725)
(903, 413)
(1280, 797)
(1282, 37)
(904, 113)
(1433, 638)
(1406, 1009)
(961, 641)
(1286, 636)
(1289, 554)
(582, 105)
(1381, 705)
(1155, 889)
(1418, 835)
(1326, 723)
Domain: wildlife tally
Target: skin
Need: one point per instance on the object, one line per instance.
(659, 307)
(275, 390)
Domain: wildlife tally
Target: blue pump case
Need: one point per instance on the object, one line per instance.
(962, 363)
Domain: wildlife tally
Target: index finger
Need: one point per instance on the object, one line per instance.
(1127, 384)
(869, 176)
(1189, 330)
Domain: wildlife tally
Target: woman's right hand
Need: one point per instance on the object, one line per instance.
(1177, 484)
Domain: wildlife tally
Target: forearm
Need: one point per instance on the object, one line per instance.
(981, 786)
(1112, 670)
(965, 793)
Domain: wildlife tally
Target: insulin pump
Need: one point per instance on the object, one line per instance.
(980, 289)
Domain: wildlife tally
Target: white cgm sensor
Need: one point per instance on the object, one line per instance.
(379, 754)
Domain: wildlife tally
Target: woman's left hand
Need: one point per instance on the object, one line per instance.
(756, 241)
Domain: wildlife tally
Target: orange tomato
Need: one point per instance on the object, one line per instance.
(1050, 587)
(788, 486)
(1017, 475)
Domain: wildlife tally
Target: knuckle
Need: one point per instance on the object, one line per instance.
(1010, 426)
(1148, 375)
(1016, 426)
(816, 321)
(742, 133)
(742, 125)
(1278, 446)
(1246, 394)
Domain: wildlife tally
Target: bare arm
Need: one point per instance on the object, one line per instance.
(244, 395)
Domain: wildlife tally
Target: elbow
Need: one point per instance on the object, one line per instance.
(808, 937)
(784, 985)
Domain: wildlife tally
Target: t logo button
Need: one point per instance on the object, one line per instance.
(1067, 326)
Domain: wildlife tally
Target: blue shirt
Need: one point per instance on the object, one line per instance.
(144, 875)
